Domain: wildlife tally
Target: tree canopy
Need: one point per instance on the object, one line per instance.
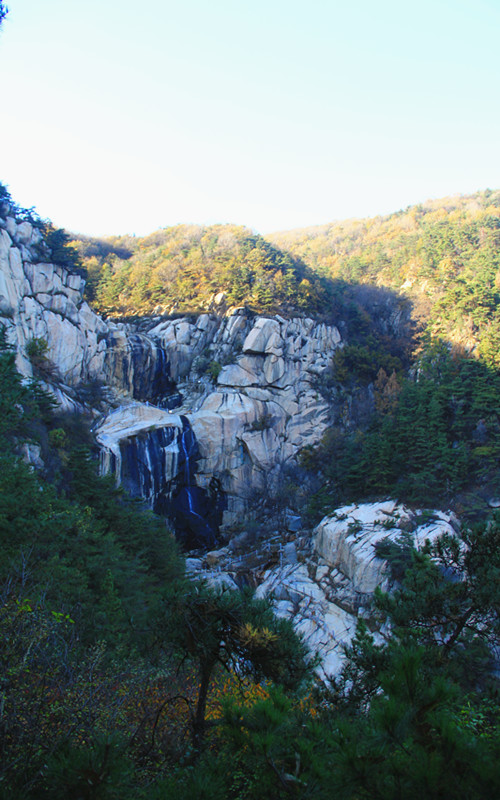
(182, 268)
(444, 255)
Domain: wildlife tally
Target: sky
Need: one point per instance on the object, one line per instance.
(123, 117)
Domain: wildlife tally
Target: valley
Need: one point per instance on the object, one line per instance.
(313, 420)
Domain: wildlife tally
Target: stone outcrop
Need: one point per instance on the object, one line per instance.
(262, 409)
(154, 454)
(347, 540)
(130, 422)
(43, 301)
(324, 580)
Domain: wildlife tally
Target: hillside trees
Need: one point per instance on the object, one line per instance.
(449, 601)
(436, 436)
(413, 715)
(60, 248)
(428, 694)
(444, 255)
(233, 631)
(183, 267)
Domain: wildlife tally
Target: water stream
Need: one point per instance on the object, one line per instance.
(159, 466)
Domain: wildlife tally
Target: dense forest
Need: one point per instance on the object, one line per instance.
(432, 438)
(183, 268)
(444, 255)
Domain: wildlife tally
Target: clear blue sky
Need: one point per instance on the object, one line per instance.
(123, 117)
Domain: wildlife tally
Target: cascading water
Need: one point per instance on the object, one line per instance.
(140, 367)
(195, 513)
(163, 391)
(148, 461)
(154, 455)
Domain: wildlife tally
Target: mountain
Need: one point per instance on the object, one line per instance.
(288, 395)
(443, 254)
(192, 268)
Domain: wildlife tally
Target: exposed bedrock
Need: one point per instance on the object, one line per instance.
(247, 385)
(264, 406)
(324, 580)
(154, 456)
(43, 301)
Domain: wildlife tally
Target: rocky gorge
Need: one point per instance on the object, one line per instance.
(249, 418)
(200, 416)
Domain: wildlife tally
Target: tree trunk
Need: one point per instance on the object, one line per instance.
(199, 722)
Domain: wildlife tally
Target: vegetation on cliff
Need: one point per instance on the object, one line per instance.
(55, 245)
(182, 268)
(430, 378)
(433, 438)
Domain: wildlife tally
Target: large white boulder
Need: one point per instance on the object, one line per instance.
(348, 539)
(264, 338)
(325, 627)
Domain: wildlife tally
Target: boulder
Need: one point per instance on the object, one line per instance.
(347, 540)
(325, 627)
(290, 553)
(265, 337)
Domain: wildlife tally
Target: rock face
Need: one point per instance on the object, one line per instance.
(325, 581)
(264, 407)
(154, 455)
(261, 410)
(40, 300)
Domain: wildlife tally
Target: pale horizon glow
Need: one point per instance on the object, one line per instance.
(119, 118)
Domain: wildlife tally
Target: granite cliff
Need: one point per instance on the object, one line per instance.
(200, 416)
(243, 385)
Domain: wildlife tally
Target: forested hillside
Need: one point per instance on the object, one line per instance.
(444, 255)
(182, 268)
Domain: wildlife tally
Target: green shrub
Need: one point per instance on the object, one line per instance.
(36, 350)
(214, 370)
(263, 423)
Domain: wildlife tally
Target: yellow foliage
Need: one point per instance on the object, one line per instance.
(255, 637)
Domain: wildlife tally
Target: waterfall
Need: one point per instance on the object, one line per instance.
(154, 455)
(140, 367)
(148, 461)
(195, 516)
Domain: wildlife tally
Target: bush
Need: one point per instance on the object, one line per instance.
(36, 350)
(214, 370)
